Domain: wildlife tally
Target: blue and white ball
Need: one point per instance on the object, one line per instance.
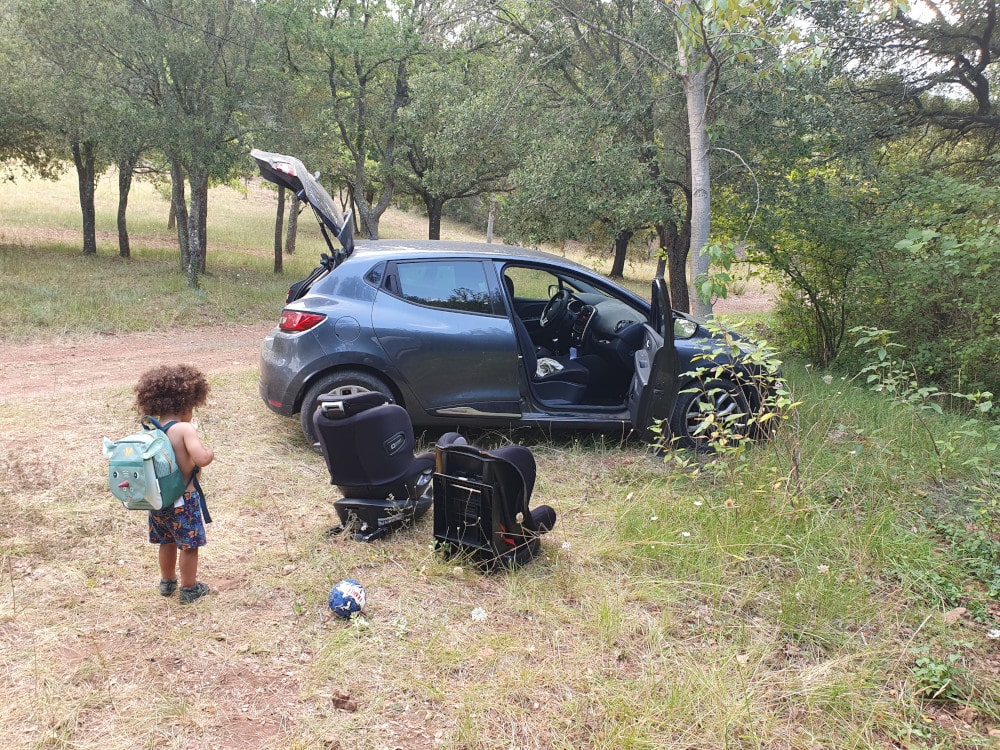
(347, 598)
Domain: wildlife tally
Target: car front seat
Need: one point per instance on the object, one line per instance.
(563, 386)
(566, 385)
(368, 445)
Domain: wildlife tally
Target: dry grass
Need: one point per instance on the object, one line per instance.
(600, 643)
(37, 212)
(34, 212)
(585, 647)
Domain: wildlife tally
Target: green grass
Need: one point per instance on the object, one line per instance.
(48, 288)
(802, 594)
(78, 295)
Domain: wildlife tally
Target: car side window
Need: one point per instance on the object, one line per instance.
(447, 284)
(531, 283)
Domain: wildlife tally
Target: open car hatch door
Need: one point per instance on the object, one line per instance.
(289, 172)
(653, 392)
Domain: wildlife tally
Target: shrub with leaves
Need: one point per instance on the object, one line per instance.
(973, 445)
(738, 393)
(936, 286)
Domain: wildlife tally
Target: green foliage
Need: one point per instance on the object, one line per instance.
(936, 285)
(744, 33)
(716, 283)
(811, 240)
(937, 678)
(583, 176)
(898, 380)
(917, 255)
(828, 508)
(463, 124)
(820, 527)
(731, 436)
(975, 551)
(956, 36)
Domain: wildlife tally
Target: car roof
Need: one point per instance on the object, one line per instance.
(401, 249)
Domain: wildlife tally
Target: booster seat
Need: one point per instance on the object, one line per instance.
(368, 446)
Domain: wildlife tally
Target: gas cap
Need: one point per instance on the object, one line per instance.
(347, 329)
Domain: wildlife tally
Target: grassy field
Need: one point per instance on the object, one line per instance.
(48, 288)
(833, 588)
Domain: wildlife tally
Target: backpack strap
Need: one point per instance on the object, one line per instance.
(194, 472)
(150, 423)
(201, 494)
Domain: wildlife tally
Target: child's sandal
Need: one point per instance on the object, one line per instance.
(190, 594)
(167, 587)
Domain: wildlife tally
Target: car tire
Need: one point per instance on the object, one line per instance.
(342, 383)
(717, 396)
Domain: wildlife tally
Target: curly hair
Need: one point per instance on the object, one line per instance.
(170, 390)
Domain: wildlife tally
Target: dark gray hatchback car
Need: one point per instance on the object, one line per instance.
(487, 335)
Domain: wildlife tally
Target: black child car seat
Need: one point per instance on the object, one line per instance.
(368, 445)
(481, 503)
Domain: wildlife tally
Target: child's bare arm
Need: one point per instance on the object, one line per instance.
(198, 452)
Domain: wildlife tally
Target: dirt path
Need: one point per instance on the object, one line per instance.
(75, 365)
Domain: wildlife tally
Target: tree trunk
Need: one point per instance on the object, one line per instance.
(172, 217)
(293, 225)
(663, 249)
(126, 167)
(369, 216)
(695, 83)
(368, 219)
(673, 262)
(83, 158)
(178, 204)
(279, 229)
(491, 218)
(677, 274)
(369, 211)
(621, 253)
(202, 222)
(434, 209)
(196, 227)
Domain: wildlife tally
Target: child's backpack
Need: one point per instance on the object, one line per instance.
(143, 472)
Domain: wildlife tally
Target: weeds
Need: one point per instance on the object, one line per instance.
(741, 398)
(896, 379)
(937, 678)
(845, 532)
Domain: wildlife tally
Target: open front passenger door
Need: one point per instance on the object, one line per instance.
(655, 383)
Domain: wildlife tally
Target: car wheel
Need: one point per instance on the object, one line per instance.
(718, 400)
(343, 383)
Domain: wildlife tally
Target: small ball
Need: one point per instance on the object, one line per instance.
(347, 598)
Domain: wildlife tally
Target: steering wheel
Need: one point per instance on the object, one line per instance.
(554, 309)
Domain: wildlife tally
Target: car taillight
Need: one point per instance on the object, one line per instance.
(293, 321)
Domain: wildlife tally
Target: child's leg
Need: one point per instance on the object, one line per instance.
(168, 562)
(189, 567)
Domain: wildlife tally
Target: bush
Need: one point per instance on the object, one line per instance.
(918, 256)
(936, 286)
